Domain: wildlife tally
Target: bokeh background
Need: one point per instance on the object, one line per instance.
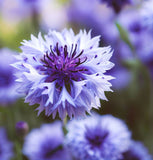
(127, 28)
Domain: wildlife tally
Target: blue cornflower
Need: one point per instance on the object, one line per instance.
(46, 143)
(8, 85)
(6, 147)
(64, 73)
(98, 138)
(101, 20)
(139, 36)
(22, 128)
(137, 151)
(117, 5)
(30, 1)
(147, 14)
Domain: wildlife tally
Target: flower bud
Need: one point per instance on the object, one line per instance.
(22, 128)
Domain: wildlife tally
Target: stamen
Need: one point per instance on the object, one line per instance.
(71, 50)
(79, 54)
(52, 50)
(84, 60)
(78, 63)
(65, 51)
(43, 60)
(55, 67)
(74, 52)
(49, 57)
(47, 66)
(57, 50)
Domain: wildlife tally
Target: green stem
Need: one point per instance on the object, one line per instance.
(65, 131)
(18, 148)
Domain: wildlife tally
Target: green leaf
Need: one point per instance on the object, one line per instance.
(124, 36)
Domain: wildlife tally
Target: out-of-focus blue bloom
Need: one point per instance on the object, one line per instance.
(147, 14)
(139, 37)
(102, 21)
(80, 12)
(137, 151)
(8, 85)
(64, 73)
(46, 14)
(122, 77)
(6, 147)
(30, 1)
(22, 128)
(19, 10)
(117, 5)
(52, 15)
(46, 143)
(98, 137)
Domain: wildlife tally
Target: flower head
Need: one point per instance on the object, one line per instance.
(137, 151)
(45, 143)
(52, 15)
(147, 14)
(19, 11)
(8, 85)
(99, 137)
(117, 4)
(139, 36)
(64, 73)
(6, 147)
(22, 128)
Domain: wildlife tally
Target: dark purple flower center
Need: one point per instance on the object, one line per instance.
(30, 1)
(135, 27)
(117, 4)
(96, 136)
(62, 67)
(50, 149)
(50, 152)
(6, 78)
(130, 155)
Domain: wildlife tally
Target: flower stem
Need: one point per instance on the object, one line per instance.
(65, 131)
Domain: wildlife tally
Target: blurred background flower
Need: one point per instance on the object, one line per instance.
(117, 5)
(6, 147)
(46, 143)
(22, 128)
(136, 151)
(8, 86)
(126, 26)
(98, 137)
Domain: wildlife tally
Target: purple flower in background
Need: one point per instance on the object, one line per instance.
(137, 151)
(46, 143)
(6, 147)
(147, 14)
(117, 5)
(139, 36)
(19, 11)
(100, 21)
(98, 137)
(30, 1)
(79, 12)
(44, 13)
(52, 15)
(122, 78)
(22, 128)
(64, 73)
(8, 85)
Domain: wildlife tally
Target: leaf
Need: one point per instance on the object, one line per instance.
(124, 36)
